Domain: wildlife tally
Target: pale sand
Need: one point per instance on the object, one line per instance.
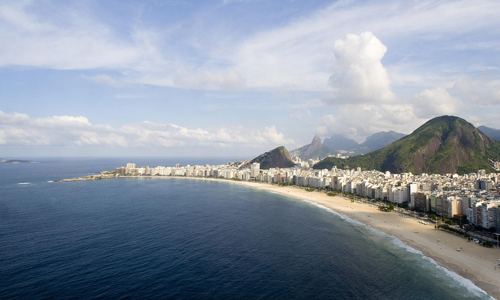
(474, 262)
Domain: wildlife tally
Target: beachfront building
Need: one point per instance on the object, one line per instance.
(448, 205)
(254, 170)
(445, 195)
(467, 201)
(400, 195)
(302, 181)
(121, 170)
(130, 168)
(412, 188)
(422, 201)
(485, 214)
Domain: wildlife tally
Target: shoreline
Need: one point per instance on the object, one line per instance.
(475, 263)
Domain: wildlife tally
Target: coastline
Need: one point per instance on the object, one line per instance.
(475, 263)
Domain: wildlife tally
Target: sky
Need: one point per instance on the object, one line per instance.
(237, 77)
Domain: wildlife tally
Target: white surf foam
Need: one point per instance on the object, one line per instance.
(347, 218)
(469, 285)
(24, 183)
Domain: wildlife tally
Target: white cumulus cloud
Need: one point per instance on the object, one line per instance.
(358, 73)
(435, 102)
(20, 129)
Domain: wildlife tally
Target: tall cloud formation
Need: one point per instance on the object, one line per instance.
(358, 73)
(362, 91)
(20, 129)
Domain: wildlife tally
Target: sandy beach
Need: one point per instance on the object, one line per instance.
(474, 262)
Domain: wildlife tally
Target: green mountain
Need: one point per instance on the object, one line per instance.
(443, 145)
(316, 149)
(276, 158)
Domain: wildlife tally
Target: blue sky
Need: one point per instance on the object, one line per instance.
(98, 78)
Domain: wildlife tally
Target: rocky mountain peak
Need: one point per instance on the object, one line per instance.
(316, 140)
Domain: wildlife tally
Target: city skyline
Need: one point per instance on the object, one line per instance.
(237, 77)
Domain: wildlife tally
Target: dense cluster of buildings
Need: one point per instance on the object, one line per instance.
(475, 195)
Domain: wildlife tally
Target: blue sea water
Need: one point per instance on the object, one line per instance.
(186, 239)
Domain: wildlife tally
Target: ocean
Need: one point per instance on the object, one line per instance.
(184, 239)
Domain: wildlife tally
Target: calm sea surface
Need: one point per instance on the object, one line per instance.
(186, 239)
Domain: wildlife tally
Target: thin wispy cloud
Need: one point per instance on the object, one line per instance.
(295, 56)
(349, 67)
(21, 129)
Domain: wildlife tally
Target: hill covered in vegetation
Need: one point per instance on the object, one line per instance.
(276, 158)
(442, 145)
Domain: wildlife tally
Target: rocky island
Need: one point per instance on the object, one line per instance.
(16, 161)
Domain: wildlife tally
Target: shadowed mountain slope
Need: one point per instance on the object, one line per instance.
(276, 158)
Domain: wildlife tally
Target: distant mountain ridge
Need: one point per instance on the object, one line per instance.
(340, 142)
(446, 144)
(315, 150)
(373, 142)
(276, 158)
(380, 140)
(491, 132)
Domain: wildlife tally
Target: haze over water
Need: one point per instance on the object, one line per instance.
(175, 238)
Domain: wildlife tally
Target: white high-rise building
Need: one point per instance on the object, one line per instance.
(130, 168)
(254, 170)
(412, 189)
